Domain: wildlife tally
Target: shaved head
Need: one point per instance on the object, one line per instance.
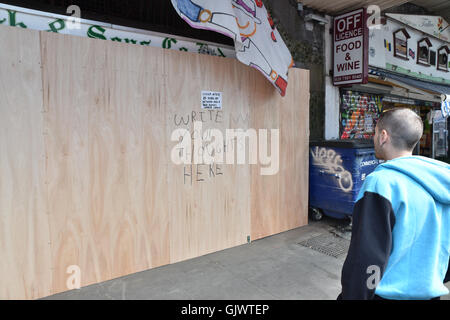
(404, 127)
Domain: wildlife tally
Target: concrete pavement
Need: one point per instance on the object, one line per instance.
(273, 268)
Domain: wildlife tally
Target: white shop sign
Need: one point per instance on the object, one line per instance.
(351, 48)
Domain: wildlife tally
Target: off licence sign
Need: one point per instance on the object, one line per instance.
(350, 48)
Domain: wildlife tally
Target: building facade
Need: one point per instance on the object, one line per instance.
(407, 67)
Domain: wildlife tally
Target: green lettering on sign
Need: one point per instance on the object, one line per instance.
(221, 53)
(116, 39)
(201, 46)
(130, 41)
(91, 33)
(12, 20)
(146, 43)
(54, 25)
(167, 43)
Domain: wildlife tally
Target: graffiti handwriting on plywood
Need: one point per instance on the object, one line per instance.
(331, 163)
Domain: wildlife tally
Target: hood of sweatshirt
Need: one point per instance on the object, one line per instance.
(433, 175)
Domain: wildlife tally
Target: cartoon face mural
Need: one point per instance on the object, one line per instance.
(248, 23)
(247, 5)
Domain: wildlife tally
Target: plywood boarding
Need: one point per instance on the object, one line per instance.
(24, 231)
(102, 191)
(279, 202)
(209, 205)
(106, 158)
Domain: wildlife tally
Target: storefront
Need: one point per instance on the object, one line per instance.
(361, 106)
(406, 68)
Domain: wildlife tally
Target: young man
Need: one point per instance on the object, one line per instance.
(400, 245)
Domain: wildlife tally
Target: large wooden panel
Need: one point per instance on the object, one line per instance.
(25, 259)
(106, 155)
(209, 204)
(70, 90)
(265, 200)
(294, 153)
(86, 174)
(155, 218)
(280, 202)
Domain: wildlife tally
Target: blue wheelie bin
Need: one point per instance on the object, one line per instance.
(337, 170)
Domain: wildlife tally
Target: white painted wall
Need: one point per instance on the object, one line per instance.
(379, 56)
(331, 92)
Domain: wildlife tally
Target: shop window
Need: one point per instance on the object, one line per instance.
(442, 63)
(401, 44)
(423, 52)
(432, 58)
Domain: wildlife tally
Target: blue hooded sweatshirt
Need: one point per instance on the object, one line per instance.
(401, 230)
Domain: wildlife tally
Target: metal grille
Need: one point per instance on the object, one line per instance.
(328, 244)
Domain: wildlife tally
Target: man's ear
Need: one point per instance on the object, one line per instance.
(384, 136)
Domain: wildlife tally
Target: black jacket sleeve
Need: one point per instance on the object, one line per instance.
(370, 247)
(447, 276)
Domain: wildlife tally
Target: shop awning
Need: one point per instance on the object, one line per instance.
(419, 84)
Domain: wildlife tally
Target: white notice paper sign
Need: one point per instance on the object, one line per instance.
(212, 100)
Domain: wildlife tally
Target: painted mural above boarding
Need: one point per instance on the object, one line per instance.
(434, 26)
(13, 16)
(257, 41)
(399, 48)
